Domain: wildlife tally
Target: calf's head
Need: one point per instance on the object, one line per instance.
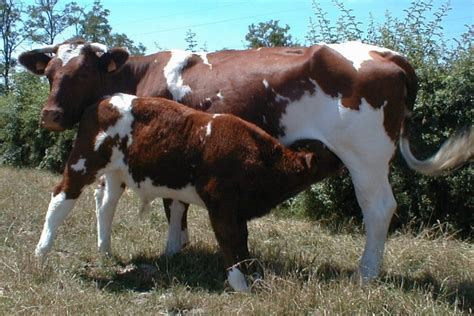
(75, 71)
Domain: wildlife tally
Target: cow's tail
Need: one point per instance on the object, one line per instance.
(455, 152)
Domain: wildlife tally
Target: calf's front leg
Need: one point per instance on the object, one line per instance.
(59, 207)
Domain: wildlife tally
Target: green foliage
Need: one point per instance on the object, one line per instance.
(190, 39)
(46, 21)
(444, 104)
(12, 35)
(268, 34)
(23, 142)
(95, 27)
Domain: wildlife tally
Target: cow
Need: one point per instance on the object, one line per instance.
(160, 148)
(352, 99)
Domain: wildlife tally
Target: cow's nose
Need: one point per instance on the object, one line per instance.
(52, 119)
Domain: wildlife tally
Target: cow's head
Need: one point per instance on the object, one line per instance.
(75, 71)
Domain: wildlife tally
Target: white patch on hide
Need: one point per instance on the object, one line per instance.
(357, 52)
(203, 56)
(123, 127)
(172, 72)
(208, 129)
(80, 165)
(265, 83)
(220, 96)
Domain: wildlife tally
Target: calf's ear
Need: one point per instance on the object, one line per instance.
(34, 61)
(113, 59)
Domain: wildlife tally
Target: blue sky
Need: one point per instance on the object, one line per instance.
(223, 23)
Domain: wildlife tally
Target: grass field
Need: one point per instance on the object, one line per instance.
(308, 269)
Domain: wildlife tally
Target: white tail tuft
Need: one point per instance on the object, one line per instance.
(455, 151)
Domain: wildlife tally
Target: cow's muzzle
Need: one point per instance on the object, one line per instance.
(52, 119)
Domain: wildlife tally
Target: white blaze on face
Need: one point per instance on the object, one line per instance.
(265, 83)
(66, 52)
(79, 166)
(357, 52)
(172, 72)
(123, 127)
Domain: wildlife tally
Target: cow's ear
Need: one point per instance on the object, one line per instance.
(113, 59)
(34, 61)
(310, 160)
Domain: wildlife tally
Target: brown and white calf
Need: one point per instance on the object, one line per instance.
(160, 148)
(351, 97)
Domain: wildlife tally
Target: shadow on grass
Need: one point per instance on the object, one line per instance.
(455, 293)
(195, 268)
(203, 269)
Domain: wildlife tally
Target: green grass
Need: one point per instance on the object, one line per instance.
(308, 269)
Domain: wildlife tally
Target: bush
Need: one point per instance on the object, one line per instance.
(23, 142)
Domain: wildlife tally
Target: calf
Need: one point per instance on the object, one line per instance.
(160, 148)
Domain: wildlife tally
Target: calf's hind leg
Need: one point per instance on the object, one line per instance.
(232, 236)
(178, 236)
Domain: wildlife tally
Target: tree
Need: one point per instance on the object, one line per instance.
(268, 34)
(12, 36)
(191, 40)
(95, 27)
(46, 22)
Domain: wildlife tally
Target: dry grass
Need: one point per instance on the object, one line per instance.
(308, 269)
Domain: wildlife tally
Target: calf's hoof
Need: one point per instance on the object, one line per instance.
(237, 280)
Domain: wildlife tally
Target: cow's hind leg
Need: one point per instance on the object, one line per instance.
(232, 236)
(377, 202)
(107, 196)
(178, 236)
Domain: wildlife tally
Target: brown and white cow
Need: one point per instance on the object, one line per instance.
(160, 148)
(352, 97)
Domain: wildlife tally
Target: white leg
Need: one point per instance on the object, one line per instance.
(111, 194)
(176, 237)
(58, 209)
(377, 202)
(237, 280)
(99, 193)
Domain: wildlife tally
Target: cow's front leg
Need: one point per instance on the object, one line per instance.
(178, 236)
(107, 195)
